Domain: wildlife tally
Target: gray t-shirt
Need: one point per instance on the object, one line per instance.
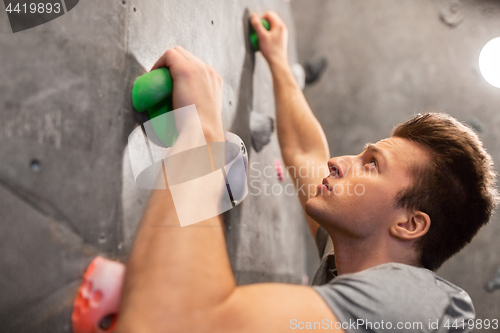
(395, 297)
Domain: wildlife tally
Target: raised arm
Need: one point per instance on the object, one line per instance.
(179, 279)
(302, 140)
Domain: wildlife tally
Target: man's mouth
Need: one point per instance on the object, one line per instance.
(325, 182)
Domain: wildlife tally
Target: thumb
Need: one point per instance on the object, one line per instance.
(256, 22)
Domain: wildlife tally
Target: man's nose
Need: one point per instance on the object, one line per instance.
(339, 166)
(335, 167)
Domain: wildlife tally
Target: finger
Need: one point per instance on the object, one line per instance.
(170, 58)
(257, 24)
(273, 18)
(159, 63)
(188, 55)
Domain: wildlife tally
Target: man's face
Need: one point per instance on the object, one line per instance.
(358, 198)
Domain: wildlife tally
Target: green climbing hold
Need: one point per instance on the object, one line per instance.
(163, 124)
(254, 39)
(151, 88)
(152, 92)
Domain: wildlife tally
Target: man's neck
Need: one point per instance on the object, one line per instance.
(355, 255)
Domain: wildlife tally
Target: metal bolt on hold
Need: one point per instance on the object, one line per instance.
(108, 321)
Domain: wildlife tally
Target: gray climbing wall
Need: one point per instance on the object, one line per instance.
(66, 188)
(391, 59)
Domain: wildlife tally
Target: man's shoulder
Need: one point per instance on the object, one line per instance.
(412, 277)
(397, 279)
(387, 292)
(396, 271)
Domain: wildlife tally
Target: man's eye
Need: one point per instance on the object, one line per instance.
(373, 162)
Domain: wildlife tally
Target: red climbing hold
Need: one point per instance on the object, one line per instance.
(96, 306)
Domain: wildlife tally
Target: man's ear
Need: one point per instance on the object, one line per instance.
(411, 226)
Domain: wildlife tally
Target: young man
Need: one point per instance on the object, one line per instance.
(426, 191)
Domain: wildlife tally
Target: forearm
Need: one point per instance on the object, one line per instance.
(175, 275)
(299, 132)
(302, 140)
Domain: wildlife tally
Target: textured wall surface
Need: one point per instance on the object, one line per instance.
(391, 59)
(66, 189)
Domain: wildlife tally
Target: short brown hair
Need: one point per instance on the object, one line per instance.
(457, 189)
